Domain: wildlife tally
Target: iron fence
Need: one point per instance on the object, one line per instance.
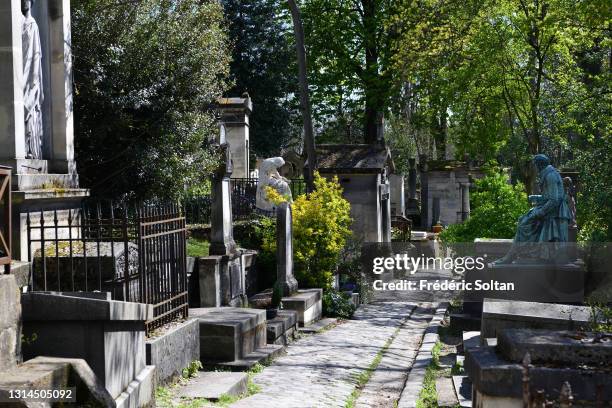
(244, 192)
(5, 230)
(137, 253)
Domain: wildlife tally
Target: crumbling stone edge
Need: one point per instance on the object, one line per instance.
(416, 377)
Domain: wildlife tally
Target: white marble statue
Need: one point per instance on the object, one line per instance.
(269, 176)
(32, 81)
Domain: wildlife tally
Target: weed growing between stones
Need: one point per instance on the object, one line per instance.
(363, 377)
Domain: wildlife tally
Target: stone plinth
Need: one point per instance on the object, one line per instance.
(498, 315)
(109, 335)
(173, 350)
(232, 337)
(235, 114)
(492, 248)
(49, 373)
(554, 347)
(308, 303)
(221, 280)
(497, 381)
(10, 323)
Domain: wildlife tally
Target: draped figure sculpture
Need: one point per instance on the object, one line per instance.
(269, 176)
(542, 232)
(32, 82)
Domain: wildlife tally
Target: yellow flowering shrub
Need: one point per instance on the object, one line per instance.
(274, 196)
(321, 227)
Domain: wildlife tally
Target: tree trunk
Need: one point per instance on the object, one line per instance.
(370, 78)
(309, 143)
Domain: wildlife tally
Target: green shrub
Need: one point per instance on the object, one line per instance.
(321, 227)
(496, 207)
(337, 304)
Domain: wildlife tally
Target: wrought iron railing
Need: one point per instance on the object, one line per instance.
(6, 229)
(244, 192)
(137, 253)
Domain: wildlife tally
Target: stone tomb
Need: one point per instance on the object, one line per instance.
(498, 315)
(578, 358)
(48, 179)
(108, 335)
(233, 338)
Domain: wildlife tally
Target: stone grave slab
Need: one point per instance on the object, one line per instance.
(308, 303)
(233, 337)
(555, 347)
(102, 332)
(47, 373)
(212, 385)
(500, 314)
(497, 380)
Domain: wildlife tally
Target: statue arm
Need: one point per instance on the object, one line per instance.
(550, 199)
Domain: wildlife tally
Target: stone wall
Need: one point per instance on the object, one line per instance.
(10, 323)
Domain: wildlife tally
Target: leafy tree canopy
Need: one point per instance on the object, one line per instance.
(145, 73)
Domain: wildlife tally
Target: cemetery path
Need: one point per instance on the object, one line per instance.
(323, 370)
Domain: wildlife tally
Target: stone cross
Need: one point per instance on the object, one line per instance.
(221, 230)
(284, 250)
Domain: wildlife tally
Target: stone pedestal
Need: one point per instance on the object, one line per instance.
(221, 280)
(109, 335)
(556, 357)
(235, 114)
(308, 303)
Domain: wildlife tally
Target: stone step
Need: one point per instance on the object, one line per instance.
(230, 334)
(282, 328)
(308, 303)
(211, 385)
(262, 355)
(463, 390)
(319, 325)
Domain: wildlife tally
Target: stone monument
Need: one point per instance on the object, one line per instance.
(235, 114)
(222, 274)
(36, 107)
(542, 232)
(269, 177)
(284, 250)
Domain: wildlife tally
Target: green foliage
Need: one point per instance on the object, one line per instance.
(144, 73)
(349, 61)
(263, 64)
(337, 304)
(192, 369)
(321, 227)
(495, 205)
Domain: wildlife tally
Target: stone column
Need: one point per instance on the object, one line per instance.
(235, 114)
(221, 229)
(398, 204)
(284, 250)
(412, 180)
(465, 201)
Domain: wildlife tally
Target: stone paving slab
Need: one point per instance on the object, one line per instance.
(387, 382)
(321, 370)
(212, 385)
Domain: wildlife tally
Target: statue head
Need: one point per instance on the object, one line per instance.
(541, 161)
(26, 6)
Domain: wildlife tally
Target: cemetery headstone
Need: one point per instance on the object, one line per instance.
(284, 250)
